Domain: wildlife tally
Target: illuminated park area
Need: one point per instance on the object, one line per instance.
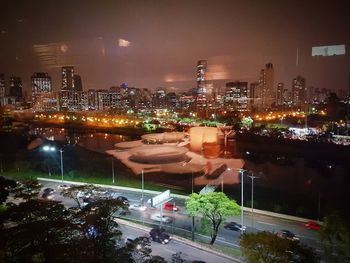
(199, 153)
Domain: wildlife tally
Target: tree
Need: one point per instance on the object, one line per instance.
(72, 192)
(215, 206)
(5, 186)
(27, 189)
(247, 122)
(38, 230)
(103, 233)
(335, 238)
(266, 247)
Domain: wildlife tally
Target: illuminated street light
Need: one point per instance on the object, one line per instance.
(48, 148)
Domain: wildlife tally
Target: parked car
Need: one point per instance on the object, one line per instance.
(170, 206)
(159, 218)
(287, 234)
(312, 225)
(235, 226)
(159, 235)
(137, 207)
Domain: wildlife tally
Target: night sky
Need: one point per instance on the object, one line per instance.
(151, 44)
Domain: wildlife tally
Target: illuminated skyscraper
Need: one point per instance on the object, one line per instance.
(41, 83)
(201, 92)
(201, 73)
(16, 88)
(266, 82)
(280, 94)
(68, 78)
(299, 91)
(236, 96)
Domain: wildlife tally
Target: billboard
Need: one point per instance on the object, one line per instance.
(326, 51)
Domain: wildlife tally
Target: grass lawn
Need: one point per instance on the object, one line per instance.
(132, 182)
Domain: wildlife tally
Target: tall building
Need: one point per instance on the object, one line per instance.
(15, 88)
(2, 90)
(68, 78)
(266, 82)
(299, 92)
(41, 83)
(78, 85)
(236, 96)
(159, 98)
(254, 95)
(201, 92)
(280, 94)
(2, 86)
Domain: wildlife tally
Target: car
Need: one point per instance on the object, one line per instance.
(287, 234)
(48, 190)
(137, 207)
(88, 203)
(48, 195)
(159, 235)
(82, 194)
(170, 206)
(312, 225)
(161, 218)
(123, 199)
(99, 192)
(235, 226)
(63, 186)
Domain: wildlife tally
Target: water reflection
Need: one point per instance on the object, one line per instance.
(99, 142)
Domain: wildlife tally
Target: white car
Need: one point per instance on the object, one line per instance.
(137, 207)
(159, 218)
(82, 194)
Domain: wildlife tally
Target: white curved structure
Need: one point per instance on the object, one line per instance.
(157, 154)
(128, 145)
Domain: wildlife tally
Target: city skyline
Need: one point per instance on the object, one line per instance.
(158, 44)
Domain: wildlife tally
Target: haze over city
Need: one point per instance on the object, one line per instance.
(150, 44)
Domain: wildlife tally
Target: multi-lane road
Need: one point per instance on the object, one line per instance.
(182, 223)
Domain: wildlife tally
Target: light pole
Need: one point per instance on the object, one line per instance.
(61, 151)
(242, 181)
(252, 177)
(112, 169)
(142, 185)
(48, 148)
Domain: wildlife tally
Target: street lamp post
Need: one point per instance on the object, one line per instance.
(61, 151)
(112, 169)
(242, 181)
(48, 148)
(252, 177)
(142, 185)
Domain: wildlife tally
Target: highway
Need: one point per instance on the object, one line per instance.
(181, 222)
